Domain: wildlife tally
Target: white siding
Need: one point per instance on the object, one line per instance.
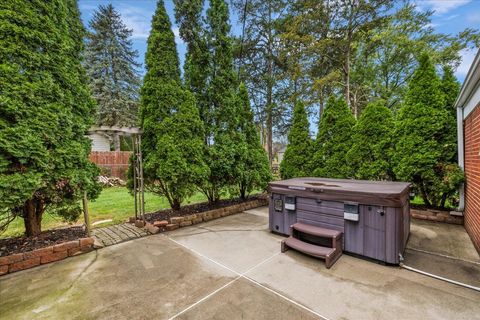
(99, 142)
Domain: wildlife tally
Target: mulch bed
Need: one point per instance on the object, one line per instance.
(195, 208)
(47, 238)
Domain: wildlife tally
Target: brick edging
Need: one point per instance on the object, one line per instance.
(435, 215)
(30, 259)
(185, 221)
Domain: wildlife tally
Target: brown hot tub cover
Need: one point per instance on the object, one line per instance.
(383, 193)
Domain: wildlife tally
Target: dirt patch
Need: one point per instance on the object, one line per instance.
(196, 208)
(47, 238)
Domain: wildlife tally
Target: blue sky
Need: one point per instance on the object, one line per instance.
(451, 16)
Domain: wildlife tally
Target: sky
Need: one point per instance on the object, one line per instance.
(450, 17)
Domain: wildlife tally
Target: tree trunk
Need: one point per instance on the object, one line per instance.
(270, 82)
(175, 204)
(424, 196)
(32, 217)
(116, 142)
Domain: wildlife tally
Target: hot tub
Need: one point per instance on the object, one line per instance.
(374, 216)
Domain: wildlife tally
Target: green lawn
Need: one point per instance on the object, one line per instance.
(113, 203)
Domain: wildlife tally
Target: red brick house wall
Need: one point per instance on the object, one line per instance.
(112, 163)
(472, 174)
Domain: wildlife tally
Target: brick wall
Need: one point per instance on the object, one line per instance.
(472, 173)
(112, 163)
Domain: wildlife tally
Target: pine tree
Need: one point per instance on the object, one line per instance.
(173, 132)
(422, 128)
(299, 152)
(112, 68)
(253, 171)
(373, 143)
(222, 152)
(46, 110)
(333, 141)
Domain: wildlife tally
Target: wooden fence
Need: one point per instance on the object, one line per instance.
(112, 163)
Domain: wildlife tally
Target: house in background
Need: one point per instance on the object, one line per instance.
(100, 141)
(468, 128)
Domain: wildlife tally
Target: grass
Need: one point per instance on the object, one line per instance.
(113, 203)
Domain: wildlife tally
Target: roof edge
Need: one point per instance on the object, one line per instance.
(471, 82)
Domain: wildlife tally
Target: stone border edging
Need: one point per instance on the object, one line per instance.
(185, 221)
(435, 215)
(26, 260)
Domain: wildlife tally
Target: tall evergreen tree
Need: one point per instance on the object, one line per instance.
(299, 152)
(253, 171)
(222, 152)
(173, 132)
(188, 15)
(373, 143)
(112, 68)
(422, 155)
(334, 140)
(45, 111)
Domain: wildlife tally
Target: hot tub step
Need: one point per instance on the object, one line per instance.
(316, 231)
(329, 254)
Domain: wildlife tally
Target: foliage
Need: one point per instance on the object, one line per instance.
(253, 171)
(112, 68)
(46, 109)
(172, 140)
(257, 57)
(372, 143)
(188, 15)
(221, 141)
(299, 152)
(423, 154)
(333, 141)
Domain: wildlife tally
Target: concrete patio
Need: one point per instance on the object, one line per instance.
(230, 268)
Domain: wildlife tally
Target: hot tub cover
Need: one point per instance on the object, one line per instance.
(385, 193)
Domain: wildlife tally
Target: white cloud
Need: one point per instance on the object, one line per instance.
(137, 19)
(442, 6)
(468, 55)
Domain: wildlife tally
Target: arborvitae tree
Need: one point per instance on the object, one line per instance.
(253, 171)
(299, 153)
(188, 15)
(373, 143)
(173, 132)
(422, 128)
(45, 111)
(334, 140)
(222, 152)
(112, 68)
(450, 88)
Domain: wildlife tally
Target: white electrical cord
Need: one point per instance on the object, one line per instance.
(440, 278)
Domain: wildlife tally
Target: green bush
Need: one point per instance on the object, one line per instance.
(373, 143)
(333, 141)
(299, 152)
(173, 132)
(425, 149)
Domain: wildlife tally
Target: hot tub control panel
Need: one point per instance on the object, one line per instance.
(350, 211)
(290, 203)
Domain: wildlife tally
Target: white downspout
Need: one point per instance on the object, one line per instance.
(461, 156)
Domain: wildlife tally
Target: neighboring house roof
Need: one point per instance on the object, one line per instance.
(469, 96)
